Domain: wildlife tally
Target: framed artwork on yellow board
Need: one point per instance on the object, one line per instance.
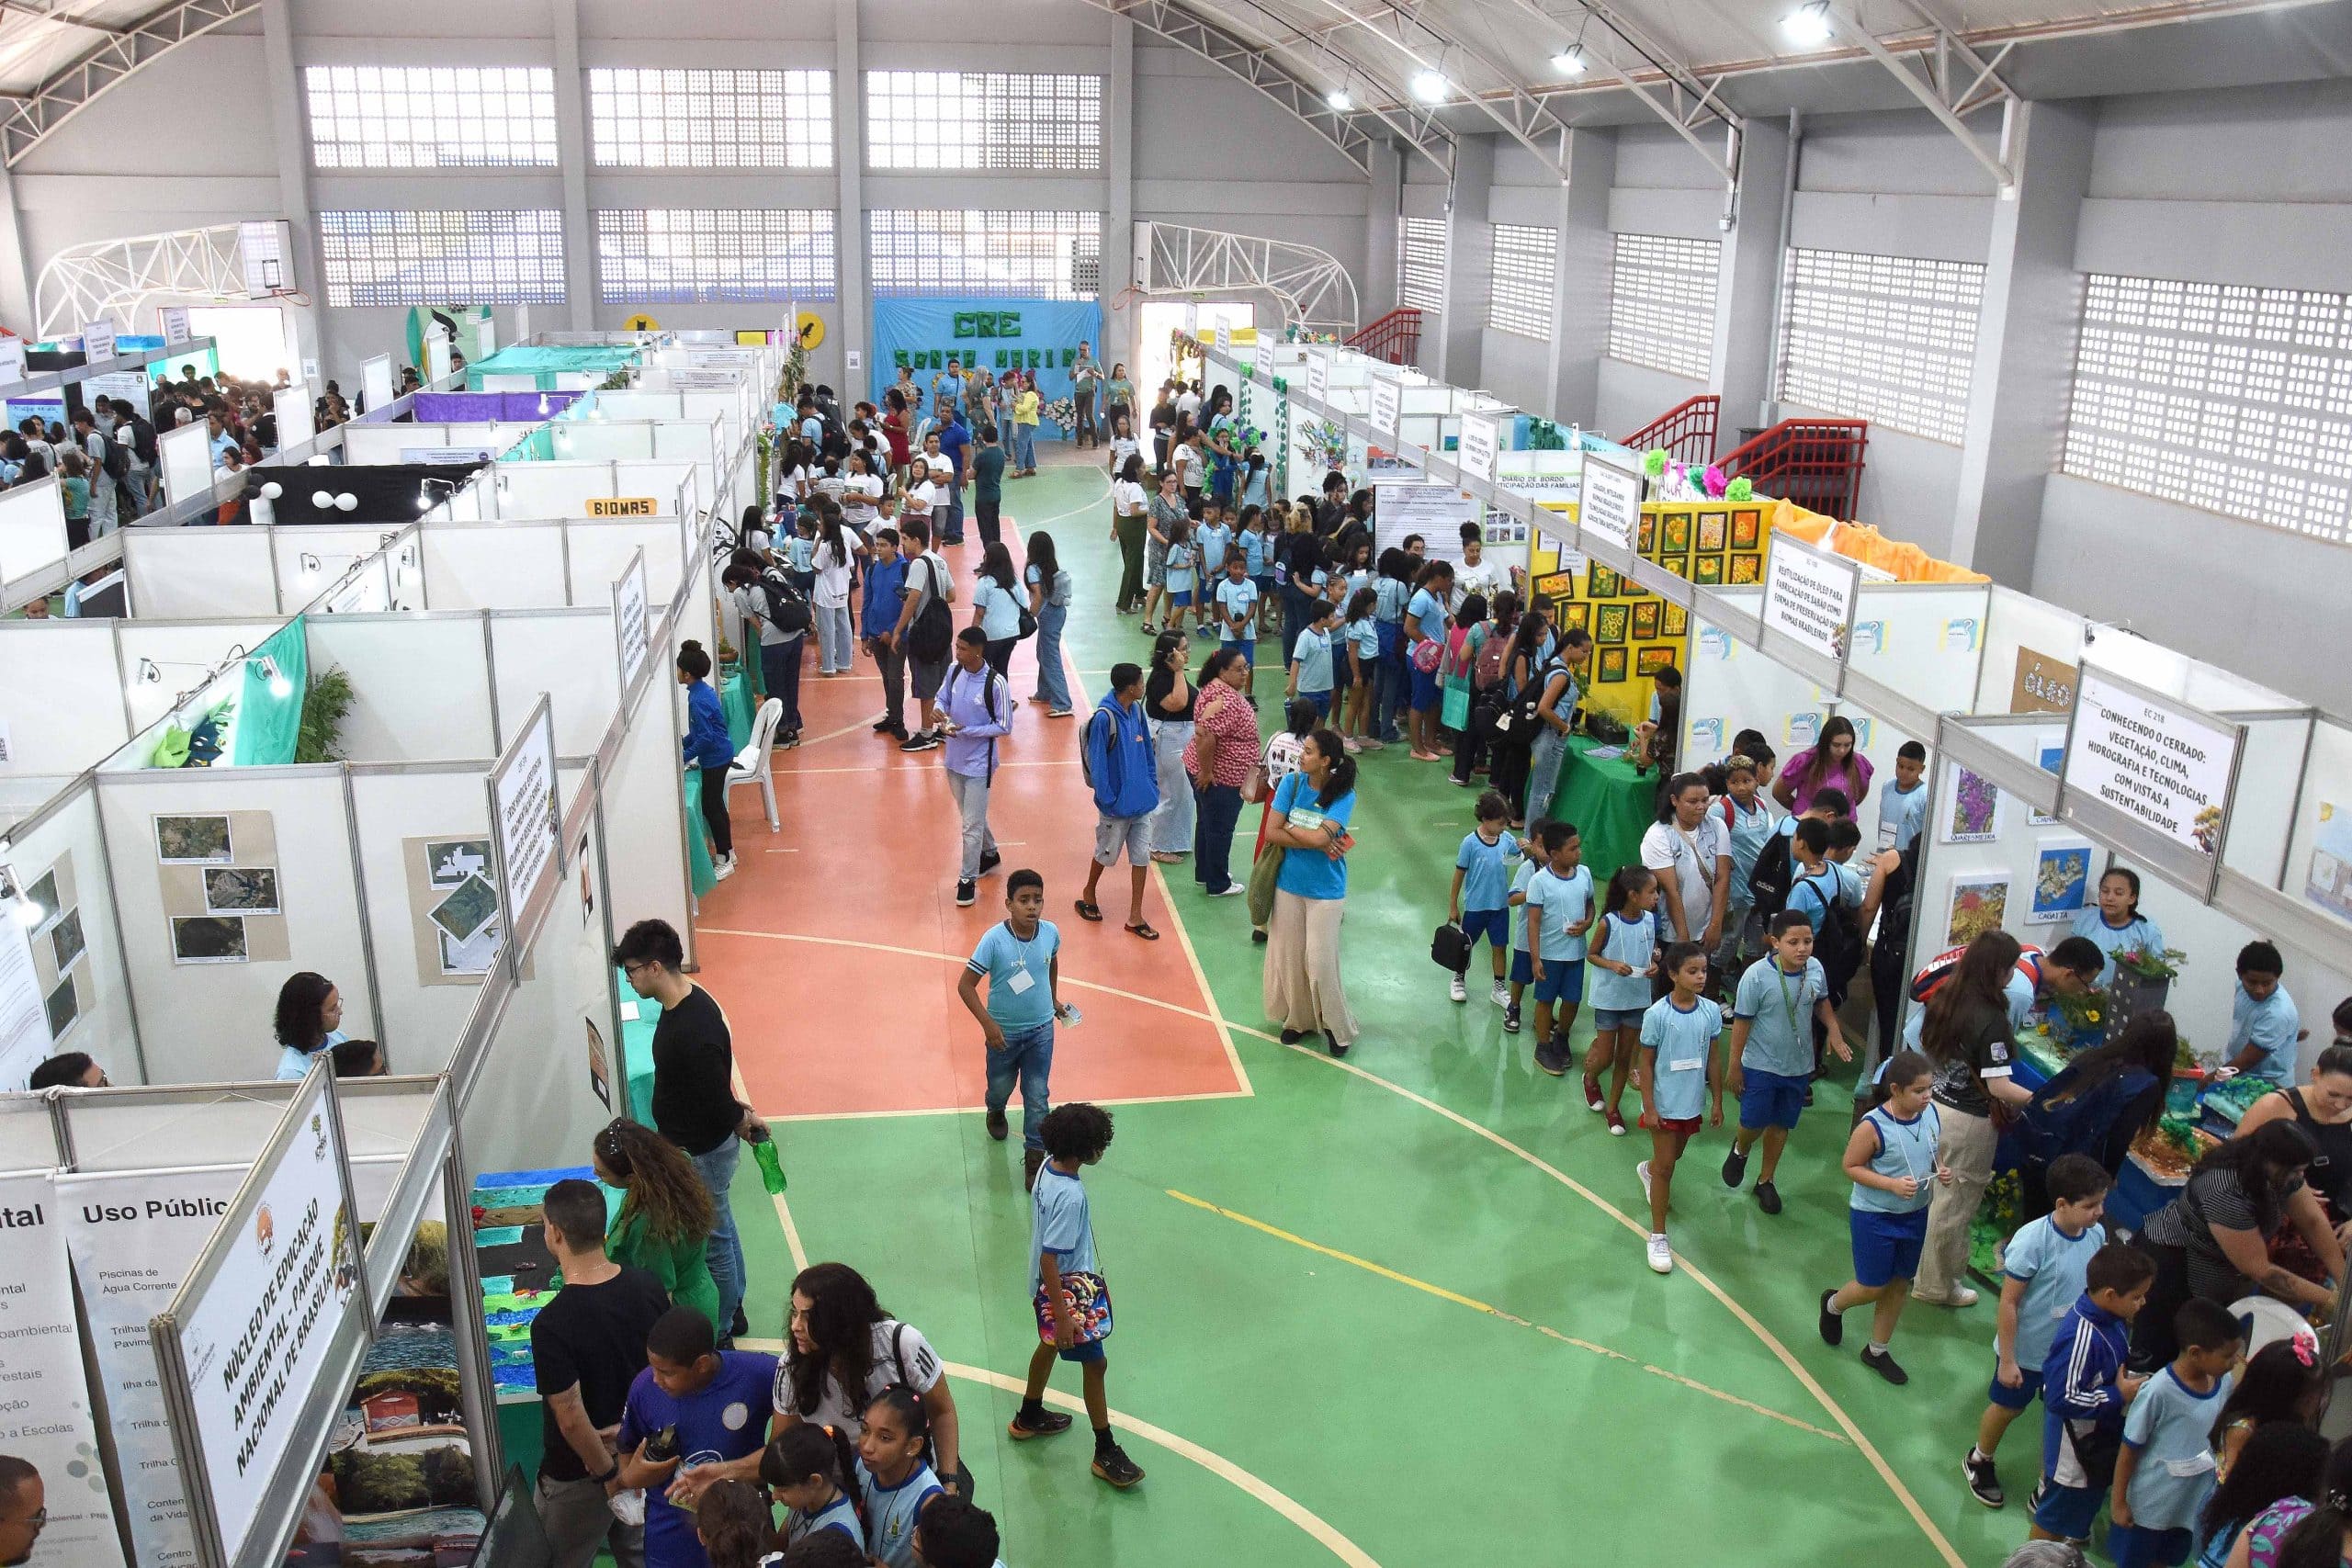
(1714, 529)
(1707, 570)
(1675, 621)
(1608, 623)
(1645, 540)
(1678, 565)
(1645, 619)
(1674, 537)
(1556, 586)
(1601, 583)
(1650, 660)
(1746, 530)
(1613, 665)
(1746, 568)
(1576, 616)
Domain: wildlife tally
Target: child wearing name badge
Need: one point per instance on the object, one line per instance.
(1361, 632)
(1480, 900)
(2166, 1470)
(1623, 954)
(1211, 540)
(1020, 957)
(1237, 609)
(1903, 809)
(1530, 858)
(1559, 911)
(1680, 1081)
(1310, 660)
(1771, 1045)
(1891, 1160)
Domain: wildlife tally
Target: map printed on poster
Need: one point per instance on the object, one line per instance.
(1387, 403)
(48, 1419)
(525, 815)
(132, 1236)
(1609, 503)
(1482, 437)
(1808, 595)
(2166, 767)
(1319, 376)
(255, 1336)
(629, 618)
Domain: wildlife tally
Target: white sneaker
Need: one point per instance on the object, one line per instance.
(1643, 1171)
(1501, 994)
(720, 870)
(1661, 1256)
(1456, 989)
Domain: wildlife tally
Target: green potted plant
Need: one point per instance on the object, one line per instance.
(2143, 979)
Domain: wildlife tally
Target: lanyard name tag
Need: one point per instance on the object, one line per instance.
(1021, 980)
(1688, 1065)
(1886, 835)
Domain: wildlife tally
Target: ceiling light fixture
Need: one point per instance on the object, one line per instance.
(1570, 62)
(1431, 86)
(1339, 101)
(1809, 24)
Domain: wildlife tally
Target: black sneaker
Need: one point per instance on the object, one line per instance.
(1114, 1466)
(1552, 1058)
(997, 1127)
(2033, 1498)
(1511, 1018)
(741, 1325)
(883, 727)
(1044, 1424)
(1833, 1328)
(1332, 1043)
(920, 740)
(966, 895)
(989, 861)
(1984, 1480)
(1767, 1197)
(1292, 1036)
(1883, 1363)
(1735, 1168)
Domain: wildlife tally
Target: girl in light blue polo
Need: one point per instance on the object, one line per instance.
(2115, 923)
(1624, 954)
(1678, 1076)
(1891, 1160)
(1182, 553)
(1310, 662)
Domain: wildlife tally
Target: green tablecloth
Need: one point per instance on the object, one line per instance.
(1610, 804)
(637, 1048)
(703, 874)
(737, 699)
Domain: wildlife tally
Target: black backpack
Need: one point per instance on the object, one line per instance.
(933, 631)
(1523, 709)
(787, 610)
(1837, 946)
(1768, 883)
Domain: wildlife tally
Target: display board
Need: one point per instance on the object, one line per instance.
(46, 1417)
(23, 1023)
(1434, 512)
(1808, 599)
(32, 528)
(630, 628)
(525, 815)
(1038, 337)
(185, 454)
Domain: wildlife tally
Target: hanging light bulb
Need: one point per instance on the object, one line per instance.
(1339, 101)
(1570, 62)
(1431, 86)
(1809, 24)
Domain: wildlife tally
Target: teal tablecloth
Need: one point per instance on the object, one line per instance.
(738, 700)
(637, 1048)
(1610, 804)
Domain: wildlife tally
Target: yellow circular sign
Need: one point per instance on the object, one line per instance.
(640, 322)
(813, 330)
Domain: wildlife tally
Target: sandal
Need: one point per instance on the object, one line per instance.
(1145, 932)
(1087, 911)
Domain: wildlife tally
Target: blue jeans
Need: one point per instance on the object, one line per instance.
(1543, 772)
(1213, 846)
(780, 674)
(725, 1248)
(1389, 686)
(1053, 681)
(1028, 1056)
(834, 650)
(951, 532)
(1025, 445)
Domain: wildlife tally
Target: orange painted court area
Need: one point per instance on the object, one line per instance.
(837, 945)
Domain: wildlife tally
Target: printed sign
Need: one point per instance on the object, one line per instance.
(12, 361)
(703, 380)
(525, 814)
(629, 618)
(1387, 401)
(2042, 685)
(1224, 340)
(447, 457)
(1482, 437)
(623, 506)
(1318, 376)
(98, 341)
(1434, 512)
(253, 1337)
(47, 1418)
(2166, 767)
(1609, 503)
(176, 326)
(1808, 595)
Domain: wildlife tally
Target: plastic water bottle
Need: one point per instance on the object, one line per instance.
(771, 1163)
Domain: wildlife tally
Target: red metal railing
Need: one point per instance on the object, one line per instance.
(1686, 432)
(1395, 337)
(1816, 463)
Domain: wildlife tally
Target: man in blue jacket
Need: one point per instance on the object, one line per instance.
(1121, 766)
(955, 443)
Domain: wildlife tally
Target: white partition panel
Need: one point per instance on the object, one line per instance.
(600, 552)
(2262, 811)
(690, 440)
(32, 529)
(28, 1139)
(425, 1003)
(579, 440)
(297, 412)
(645, 815)
(569, 654)
(2015, 622)
(182, 653)
(465, 505)
(502, 566)
(208, 1008)
(180, 573)
(1731, 686)
(420, 686)
(77, 947)
(371, 444)
(1924, 643)
(2202, 997)
(2319, 855)
(185, 455)
(61, 705)
(654, 477)
(312, 560)
(112, 1132)
(553, 489)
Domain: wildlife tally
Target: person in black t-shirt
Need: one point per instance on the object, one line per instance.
(693, 1090)
(587, 1345)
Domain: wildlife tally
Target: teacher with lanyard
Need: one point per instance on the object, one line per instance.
(1307, 820)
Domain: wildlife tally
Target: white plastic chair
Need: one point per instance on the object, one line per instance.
(753, 764)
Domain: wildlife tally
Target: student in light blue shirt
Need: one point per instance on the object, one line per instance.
(1902, 808)
(1679, 1073)
(309, 1022)
(1214, 536)
(1360, 634)
(998, 598)
(1310, 660)
(1236, 608)
(1020, 957)
(1559, 912)
(1480, 899)
(800, 1466)
(1771, 1039)
(1891, 1160)
(1521, 976)
(2116, 924)
(2166, 1470)
(2041, 1276)
(2265, 1027)
(1182, 557)
(1623, 955)
(894, 1474)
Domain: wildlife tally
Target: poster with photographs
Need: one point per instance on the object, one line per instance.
(221, 888)
(67, 944)
(1973, 814)
(2328, 880)
(241, 890)
(193, 840)
(453, 893)
(1978, 902)
(63, 1007)
(2061, 882)
(42, 895)
(208, 938)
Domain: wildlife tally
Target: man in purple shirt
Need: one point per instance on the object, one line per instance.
(977, 708)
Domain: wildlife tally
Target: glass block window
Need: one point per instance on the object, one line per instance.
(983, 120)
(710, 119)
(1889, 339)
(707, 256)
(2232, 398)
(431, 117)
(477, 257)
(1051, 255)
(1526, 257)
(1662, 303)
(1421, 263)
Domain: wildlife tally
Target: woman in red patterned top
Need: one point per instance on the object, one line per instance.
(1223, 751)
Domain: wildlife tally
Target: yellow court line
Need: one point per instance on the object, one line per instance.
(1458, 1299)
(1216, 1464)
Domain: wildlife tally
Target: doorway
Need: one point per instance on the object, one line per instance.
(1162, 318)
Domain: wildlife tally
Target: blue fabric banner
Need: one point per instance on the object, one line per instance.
(923, 333)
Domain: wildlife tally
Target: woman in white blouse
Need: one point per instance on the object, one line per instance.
(1129, 505)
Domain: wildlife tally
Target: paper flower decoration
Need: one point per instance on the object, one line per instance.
(1654, 461)
(1715, 482)
(1742, 488)
(1281, 384)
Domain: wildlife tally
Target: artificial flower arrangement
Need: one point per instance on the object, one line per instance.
(2085, 1015)
(2162, 964)
(1062, 411)
(1297, 333)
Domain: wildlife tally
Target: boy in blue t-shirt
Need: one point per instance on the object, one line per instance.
(719, 1402)
(1559, 911)
(2165, 1471)
(1020, 956)
(1237, 609)
(1062, 1243)
(2264, 1026)
(2086, 1391)
(1530, 858)
(1771, 1048)
(1480, 900)
(2041, 1276)
(1681, 1077)
(1903, 807)
(1311, 675)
